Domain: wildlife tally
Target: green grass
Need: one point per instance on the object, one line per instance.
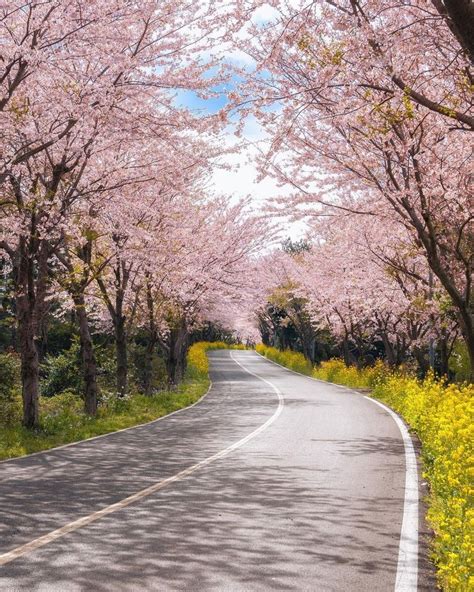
(63, 421)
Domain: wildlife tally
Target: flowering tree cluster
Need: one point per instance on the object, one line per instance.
(344, 282)
(105, 208)
(103, 200)
(372, 121)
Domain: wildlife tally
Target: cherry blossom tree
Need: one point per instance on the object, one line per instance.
(374, 116)
(214, 279)
(79, 81)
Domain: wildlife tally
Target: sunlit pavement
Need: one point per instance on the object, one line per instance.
(314, 502)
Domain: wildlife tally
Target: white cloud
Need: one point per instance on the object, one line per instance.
(241, 180)
(265, 14)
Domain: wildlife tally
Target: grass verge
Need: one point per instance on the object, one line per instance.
(63, 420)
(442, 416)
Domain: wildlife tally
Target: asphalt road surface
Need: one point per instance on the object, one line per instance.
(271, 482)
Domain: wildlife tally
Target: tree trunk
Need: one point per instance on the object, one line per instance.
(148, 374)
(444, 356)
(422, 361)
(121, 353)
(389, 350)
(89, 364)
(460, 19)
(465, 318)
(308, 347)
(349, 359)
(152, 339)
(469, 339)
(462, 300)
(25, 310)
(176, 359)
(29, 365)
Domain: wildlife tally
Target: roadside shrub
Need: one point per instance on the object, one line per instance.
(63, 372)
(459, 363)
(336, 371)
(110, 402)
(61, 413)
(290, 359)
(139, 368)
(10, 401)
(9, 373)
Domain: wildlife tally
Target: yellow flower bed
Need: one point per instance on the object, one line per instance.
(336, 371)
(442, 415)
(293, 360)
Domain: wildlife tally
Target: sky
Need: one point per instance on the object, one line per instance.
(241, 180)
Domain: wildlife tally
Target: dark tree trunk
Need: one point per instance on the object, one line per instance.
(345, 352)
(176, 358)
(26, 305)
(89, 364)
(421, 357)
(470, 348)
(148, 374)
(29, 363)
(460, 18)
(443, 357)
(308, 347)
(389, 350)
(121, 353)
(152, 339)
(349, 359)
(115, 308)
(171, 366)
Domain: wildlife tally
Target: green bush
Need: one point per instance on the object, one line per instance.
(9, 374)
(138, 368)
(63, 372)
(459, 362)
(61, 413)
(10, 388)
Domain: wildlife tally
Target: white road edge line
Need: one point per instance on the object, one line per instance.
(407, 567)
(86, 520)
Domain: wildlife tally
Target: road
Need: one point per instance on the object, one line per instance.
(271, 482)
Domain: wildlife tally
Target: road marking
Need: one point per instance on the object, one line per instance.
(407, 567)
(86, 520)
(277, 391)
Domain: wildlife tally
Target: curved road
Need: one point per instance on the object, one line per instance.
(271, 482)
